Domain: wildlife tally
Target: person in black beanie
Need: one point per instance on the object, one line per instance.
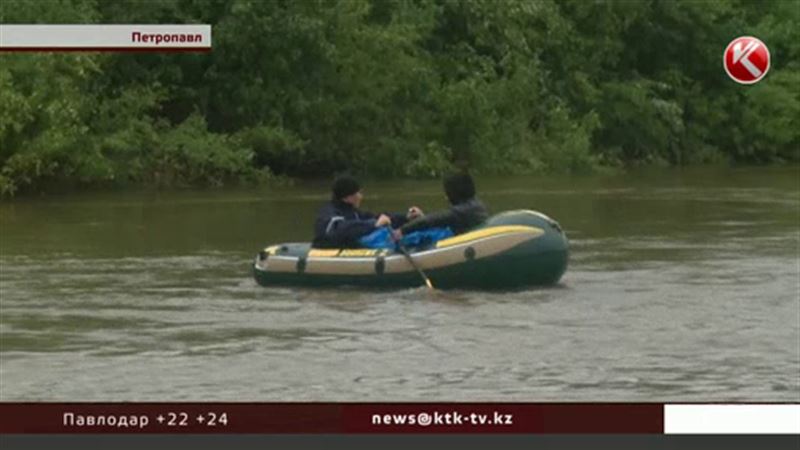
(465, 211)
(340, 223)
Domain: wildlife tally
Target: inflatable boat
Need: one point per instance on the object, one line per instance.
(510, 250)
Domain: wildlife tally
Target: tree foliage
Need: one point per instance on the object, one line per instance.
(397, 87)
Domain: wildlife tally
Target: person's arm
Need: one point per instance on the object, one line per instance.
(437, 219)
(341, 232)
(363, 215)
(398, 219)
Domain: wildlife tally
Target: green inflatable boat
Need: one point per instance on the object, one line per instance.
(510, 250)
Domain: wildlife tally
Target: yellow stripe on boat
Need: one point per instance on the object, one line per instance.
(323, 253)
(345, 253)
(359, 252)
(272, 250)
(489, 232)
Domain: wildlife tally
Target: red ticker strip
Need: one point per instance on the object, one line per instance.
(370, 418)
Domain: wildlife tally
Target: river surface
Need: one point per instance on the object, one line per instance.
(683, 285)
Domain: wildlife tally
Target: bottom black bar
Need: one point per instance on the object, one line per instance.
(400, 442)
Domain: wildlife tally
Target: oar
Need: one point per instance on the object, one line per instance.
(411, 261)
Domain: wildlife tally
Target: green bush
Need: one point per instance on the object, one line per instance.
(396, 88)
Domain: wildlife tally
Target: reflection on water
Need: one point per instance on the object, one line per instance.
(682, 286)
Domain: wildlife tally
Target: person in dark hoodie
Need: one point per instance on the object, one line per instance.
(465, 212)
(340, 223)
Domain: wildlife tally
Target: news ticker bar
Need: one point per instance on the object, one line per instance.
(54, 38)
(378, 418)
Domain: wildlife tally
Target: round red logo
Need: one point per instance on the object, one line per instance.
(746, 60)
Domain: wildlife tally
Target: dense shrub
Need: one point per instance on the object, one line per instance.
(396, 87)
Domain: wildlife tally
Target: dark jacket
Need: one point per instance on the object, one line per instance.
(459, 218)
(340, 225)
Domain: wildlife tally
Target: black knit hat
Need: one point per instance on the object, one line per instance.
(459, 188)
(343, 186)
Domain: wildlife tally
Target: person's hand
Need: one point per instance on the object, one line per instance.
(414, 212)
(397, 234)
(383, 220)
